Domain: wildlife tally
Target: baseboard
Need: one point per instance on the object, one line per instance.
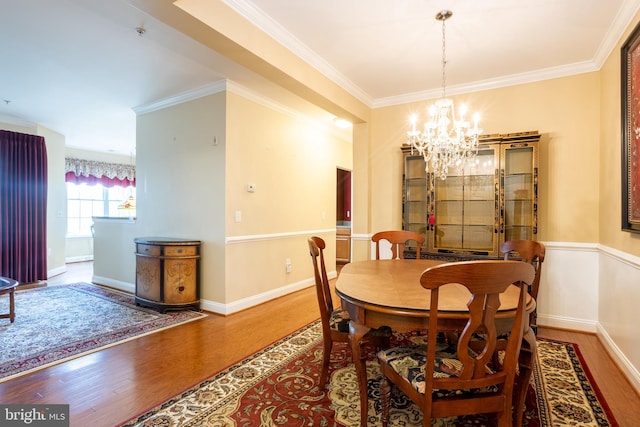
(625, 365)
(123, 286)
(56, 271)
(245, 303)
(78, 259)
(566, 323)
(216, 307)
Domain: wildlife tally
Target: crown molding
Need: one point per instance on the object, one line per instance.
(624, 18)
(209, 89)
(499, 82)
(16, 121)
(238, 89)
(268, 25)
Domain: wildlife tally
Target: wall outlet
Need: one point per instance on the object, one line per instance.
(287, 265)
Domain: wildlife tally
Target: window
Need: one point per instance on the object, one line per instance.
(86, 201)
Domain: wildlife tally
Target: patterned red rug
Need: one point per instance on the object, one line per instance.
(278, 386)
(57, 323)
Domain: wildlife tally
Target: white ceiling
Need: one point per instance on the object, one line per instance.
(80, 68)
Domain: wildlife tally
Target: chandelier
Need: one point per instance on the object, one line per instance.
(445, 141)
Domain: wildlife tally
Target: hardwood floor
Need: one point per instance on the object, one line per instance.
(109, 387)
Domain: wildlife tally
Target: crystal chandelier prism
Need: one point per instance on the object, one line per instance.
(445, 141)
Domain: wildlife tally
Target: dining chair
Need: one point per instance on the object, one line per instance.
(398, 240)
(335, 323)
(446, 379)
(532, 252)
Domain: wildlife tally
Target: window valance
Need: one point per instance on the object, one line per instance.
(90, 172)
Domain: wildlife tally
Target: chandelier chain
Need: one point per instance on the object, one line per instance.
(447, 140)
(444, 60)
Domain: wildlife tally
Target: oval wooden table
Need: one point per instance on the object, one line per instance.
(388, 293)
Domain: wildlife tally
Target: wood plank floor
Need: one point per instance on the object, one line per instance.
(109, 387)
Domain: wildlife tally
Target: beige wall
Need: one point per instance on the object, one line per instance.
(565, 111)
(56, 200)
(114, 249)
(293, 164)
(361, 177)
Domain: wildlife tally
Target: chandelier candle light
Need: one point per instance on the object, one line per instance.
(445, 141)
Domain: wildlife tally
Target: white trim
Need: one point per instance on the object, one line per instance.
(623, 257)
(268, 25)
(240, 90)
(572, 246)
(361, 236)
(16, 121)
(562, 322)
(112, 219)
(629, 371)
(209, 89)
(276, 236)
(117, 284)
(626, 15)
(56, 271)
(243, 304)
(495, 83)
(80, 258)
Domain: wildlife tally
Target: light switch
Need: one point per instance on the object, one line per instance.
(238, 216)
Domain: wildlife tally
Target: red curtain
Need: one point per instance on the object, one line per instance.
(23, 207)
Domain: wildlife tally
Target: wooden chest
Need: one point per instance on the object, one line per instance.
(167, 273)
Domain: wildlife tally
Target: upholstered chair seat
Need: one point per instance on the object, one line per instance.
(410, 362)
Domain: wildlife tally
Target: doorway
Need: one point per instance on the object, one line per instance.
(343, 217)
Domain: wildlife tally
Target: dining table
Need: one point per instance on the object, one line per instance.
(388, 292)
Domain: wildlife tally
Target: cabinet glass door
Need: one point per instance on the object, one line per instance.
(520, 189)
(464, 209)
(414, 214)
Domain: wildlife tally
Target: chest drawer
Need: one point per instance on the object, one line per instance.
(150, 250)
(180, 250)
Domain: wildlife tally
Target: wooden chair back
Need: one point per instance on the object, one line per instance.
(528, 251)
(485, 280)
(398, 240)
(323, 290)
(461, 368)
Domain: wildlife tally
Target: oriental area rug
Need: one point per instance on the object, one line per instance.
(278, 386)
(57, 323)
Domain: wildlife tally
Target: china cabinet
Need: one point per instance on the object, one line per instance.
(470, 213)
